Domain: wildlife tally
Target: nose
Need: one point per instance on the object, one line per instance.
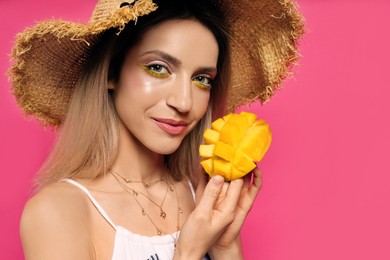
(180, 95)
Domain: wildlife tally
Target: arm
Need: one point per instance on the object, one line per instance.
(53, 226)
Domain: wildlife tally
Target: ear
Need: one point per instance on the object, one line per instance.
(111, 85)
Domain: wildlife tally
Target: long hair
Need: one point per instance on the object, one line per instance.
(88, 142)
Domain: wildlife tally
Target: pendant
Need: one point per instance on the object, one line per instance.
(163, 214)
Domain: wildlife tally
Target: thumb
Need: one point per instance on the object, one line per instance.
(211, 193)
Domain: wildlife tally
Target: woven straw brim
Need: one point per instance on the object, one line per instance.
(49, 58)
(264, 43)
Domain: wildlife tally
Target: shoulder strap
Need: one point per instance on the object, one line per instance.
(192, 189)
(93, 200)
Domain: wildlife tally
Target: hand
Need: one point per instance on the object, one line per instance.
(215, 211)
(229, 244)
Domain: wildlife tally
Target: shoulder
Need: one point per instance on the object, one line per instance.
(54, 221)
(57, 199)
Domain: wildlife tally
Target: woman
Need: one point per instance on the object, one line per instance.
(133, 92)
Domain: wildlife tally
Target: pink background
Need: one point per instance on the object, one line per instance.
(326, 192)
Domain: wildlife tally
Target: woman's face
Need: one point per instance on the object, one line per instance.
(164, 84)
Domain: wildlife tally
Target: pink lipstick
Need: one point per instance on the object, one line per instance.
(170, 126)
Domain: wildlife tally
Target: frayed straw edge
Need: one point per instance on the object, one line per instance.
(297, 22)
(62, 29)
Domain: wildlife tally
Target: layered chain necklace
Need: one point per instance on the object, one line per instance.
(145, 183)
(134, 193)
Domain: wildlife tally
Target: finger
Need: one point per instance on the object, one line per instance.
(211, 193)
(248, 197)
(256, 184)
(233, 194)
(250, 192)
(247, 182)
(222, 195)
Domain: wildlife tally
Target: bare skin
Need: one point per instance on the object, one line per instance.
(61, 223)
(54, 222)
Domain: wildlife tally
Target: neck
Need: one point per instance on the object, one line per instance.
(134, 161)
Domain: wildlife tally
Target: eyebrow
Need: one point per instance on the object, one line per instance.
(208, 70)
(177, 62)
(165, 56)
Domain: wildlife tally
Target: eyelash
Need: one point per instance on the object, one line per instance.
(197, 82)
(152, 69)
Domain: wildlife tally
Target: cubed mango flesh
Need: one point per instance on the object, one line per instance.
(206, 150)
(211, 136)
(234, 144)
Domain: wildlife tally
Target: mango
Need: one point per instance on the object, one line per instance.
(211, 136)
(224, 151)
(218, 124)
(208, 165)
(234, 144)
(207, 150)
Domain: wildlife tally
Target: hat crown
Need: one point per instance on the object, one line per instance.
(106, 8)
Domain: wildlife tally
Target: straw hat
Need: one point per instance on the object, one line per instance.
(49, 57)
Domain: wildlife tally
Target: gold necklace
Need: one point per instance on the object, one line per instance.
(134, 194)
(145, 183)
(179, 211)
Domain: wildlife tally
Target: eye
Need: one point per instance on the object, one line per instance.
(156, 70)
(203, 81)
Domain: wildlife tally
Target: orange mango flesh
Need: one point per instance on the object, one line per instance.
(234, 144)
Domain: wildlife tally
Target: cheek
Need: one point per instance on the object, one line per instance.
(137, 89)
(201, 102)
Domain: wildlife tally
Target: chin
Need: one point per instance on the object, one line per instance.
(165, 148)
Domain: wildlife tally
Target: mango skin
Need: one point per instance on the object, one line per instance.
(233, 145)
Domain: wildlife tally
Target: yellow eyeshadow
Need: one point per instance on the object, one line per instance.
(202, 86)
(155, 74)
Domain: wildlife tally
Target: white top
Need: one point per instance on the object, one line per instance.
(128, 245)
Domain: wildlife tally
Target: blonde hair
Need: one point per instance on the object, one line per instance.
(88, 143)
(88, 140)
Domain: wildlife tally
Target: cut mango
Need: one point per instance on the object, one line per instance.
(230, 134)
(218, 124)
(250, 117)
(211, 136)
(208, 165)
(243, 162)
(224, 151)
(223, 168)
(256, 142)
(234, 144)
(206, 150)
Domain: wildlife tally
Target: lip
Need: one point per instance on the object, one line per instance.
(171, 126)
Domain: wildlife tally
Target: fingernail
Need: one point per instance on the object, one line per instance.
(217, 179)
